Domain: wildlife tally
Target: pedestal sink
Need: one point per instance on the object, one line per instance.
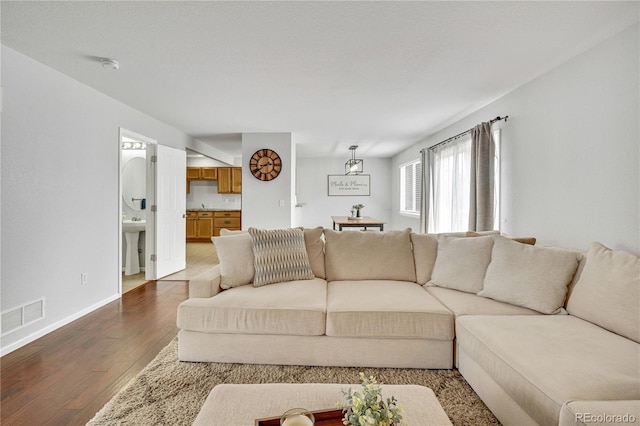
(131, 229)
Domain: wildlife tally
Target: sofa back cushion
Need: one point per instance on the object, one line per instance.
(608, 291)
(461, 262)
(425, 250)
(529, 276)
(369, 255)
(279, 255)
(315, 250)
(236, 259)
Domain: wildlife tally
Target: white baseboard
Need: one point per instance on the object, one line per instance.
(26, 340)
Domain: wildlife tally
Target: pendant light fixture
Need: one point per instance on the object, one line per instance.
(353, 166)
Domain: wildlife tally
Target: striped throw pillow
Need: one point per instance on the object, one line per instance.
(279, 255)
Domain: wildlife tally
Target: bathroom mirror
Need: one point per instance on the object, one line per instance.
(134, 182)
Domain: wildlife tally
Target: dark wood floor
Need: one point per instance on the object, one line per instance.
(65, 377)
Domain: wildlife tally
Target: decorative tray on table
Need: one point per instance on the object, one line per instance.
(330, 417)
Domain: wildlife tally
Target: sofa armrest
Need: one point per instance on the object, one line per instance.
(206, 285)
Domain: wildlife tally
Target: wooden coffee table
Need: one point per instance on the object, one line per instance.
(241, 405)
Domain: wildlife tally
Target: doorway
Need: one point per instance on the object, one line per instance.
(151, 219)
(136, 230)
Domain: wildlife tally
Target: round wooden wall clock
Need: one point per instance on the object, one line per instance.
(265, 164)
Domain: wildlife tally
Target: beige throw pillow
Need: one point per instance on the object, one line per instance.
(279, 255)
(224, 232)
(369, 255)
(461, 263)
(608, 291)
(315, 250)
(236, 259)
(425, 250)
(529, 276)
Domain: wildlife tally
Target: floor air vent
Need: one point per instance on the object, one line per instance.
(16, 318)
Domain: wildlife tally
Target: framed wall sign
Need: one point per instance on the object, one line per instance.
(349, 185)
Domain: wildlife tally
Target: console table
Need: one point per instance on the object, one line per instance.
(364, 222)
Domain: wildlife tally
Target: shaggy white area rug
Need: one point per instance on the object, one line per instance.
(169, 392)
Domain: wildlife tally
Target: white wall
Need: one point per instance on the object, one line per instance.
(319, 207)
(571, 151)
(205, 162)
(59, 209)
(206, 192)
(261, 200)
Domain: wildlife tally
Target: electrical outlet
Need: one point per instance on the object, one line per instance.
(84, 278)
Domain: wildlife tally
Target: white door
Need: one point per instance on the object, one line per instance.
(171, 198)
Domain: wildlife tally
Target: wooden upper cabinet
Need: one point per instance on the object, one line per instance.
(229, 180)
(236, 180)
(224, 180)
(202, 173)
(209, 173)
(193, 172)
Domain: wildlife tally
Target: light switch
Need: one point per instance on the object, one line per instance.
(281, 203)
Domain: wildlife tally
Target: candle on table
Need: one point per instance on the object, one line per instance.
(297, 420)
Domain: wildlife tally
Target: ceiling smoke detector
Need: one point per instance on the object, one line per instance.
(110, 63)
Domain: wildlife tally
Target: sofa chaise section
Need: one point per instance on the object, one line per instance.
(541, 361)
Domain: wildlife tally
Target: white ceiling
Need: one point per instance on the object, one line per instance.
(382, 75)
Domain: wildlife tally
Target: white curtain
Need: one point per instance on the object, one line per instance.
(449, 176)
(424, 190)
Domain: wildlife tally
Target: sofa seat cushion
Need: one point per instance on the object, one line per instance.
(462, 303)
(543, 361)
(292, 308)
(380, 308)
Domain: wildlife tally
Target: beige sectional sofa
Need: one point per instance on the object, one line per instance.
(544, 335)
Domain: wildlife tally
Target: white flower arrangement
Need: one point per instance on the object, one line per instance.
(368, 408)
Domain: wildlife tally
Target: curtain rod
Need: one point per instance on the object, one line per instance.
(498, 118)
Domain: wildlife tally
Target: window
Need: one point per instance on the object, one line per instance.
(450, 182)
(450, 185)
(410, 190)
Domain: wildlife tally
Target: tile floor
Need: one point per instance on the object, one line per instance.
(199, 256)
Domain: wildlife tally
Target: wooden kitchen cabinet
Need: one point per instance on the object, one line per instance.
(229, 180)
(236, 180)
(193, 172)
(209, 173)
(192, 225)
(205, 225)
(199, 226)
(202, 173)
(226, 219)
